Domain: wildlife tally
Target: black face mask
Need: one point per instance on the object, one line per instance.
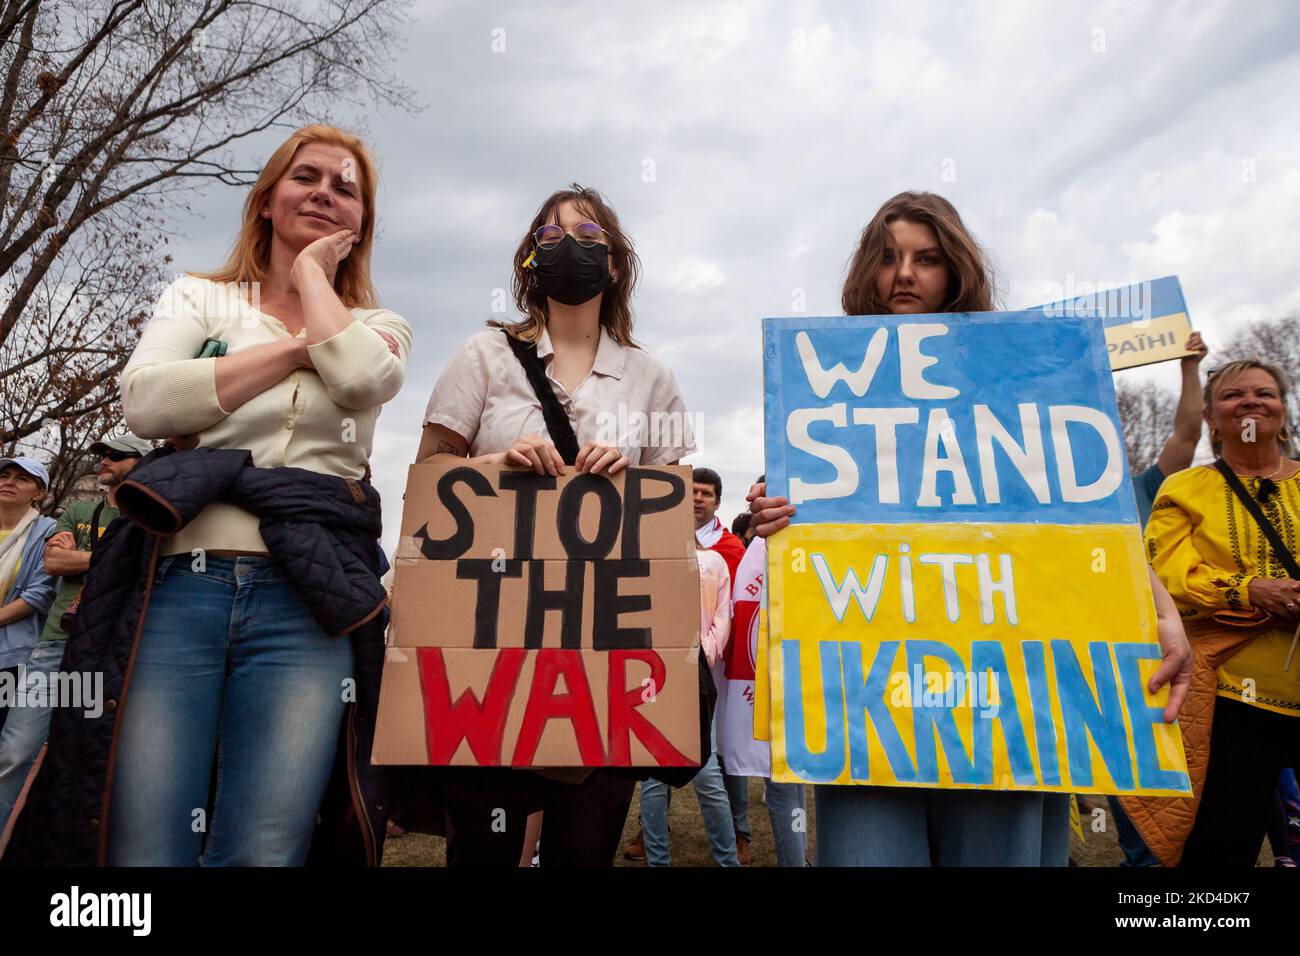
(571, 273)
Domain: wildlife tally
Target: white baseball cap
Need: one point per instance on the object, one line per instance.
(127, 443)
(29, 465)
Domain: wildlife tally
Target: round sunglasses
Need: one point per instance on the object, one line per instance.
(587, 234)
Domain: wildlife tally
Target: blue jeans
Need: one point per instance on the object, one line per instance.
(25, 731)
(738, 798)
(714, 807)
(1290, 794)
(1130, 841)
(903, 826)
(785, 808)
(231, 669)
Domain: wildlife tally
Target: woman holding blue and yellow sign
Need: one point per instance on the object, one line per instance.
(885, 796)
(1223, 538)
(917, 257)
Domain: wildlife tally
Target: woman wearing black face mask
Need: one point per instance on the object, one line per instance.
(574, 272)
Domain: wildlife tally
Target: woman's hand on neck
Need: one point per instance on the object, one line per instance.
(301, 281)
(278, 282)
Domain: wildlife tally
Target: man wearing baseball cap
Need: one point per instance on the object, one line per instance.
(119, 449)
(67, 555)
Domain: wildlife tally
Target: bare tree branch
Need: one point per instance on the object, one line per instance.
(111, 111)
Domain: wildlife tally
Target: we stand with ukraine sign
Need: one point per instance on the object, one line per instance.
(961, 599)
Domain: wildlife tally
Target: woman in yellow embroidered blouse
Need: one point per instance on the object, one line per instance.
(1211, 555)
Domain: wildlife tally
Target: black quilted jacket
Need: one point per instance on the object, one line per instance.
(324, 531)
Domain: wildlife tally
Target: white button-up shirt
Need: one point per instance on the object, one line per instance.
(629, 399)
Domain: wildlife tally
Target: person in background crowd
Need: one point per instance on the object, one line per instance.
(709, 530)
(574, 273)
(916, 257)
(28, 591)
(1175, 455)
(1178, 449)
(715, 630)
(708, 497)
(1284, 829)
(67, 557)
(786, 809)
(719, 553)
(1240, 600)
(232, 671)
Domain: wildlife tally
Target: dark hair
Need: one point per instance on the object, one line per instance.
(707, 476)
(740, 524)
(969, 286)
(615, 307)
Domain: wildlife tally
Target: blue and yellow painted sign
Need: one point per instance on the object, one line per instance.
(961, 600)
(1145, 322)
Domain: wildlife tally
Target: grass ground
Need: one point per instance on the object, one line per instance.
(690, 847)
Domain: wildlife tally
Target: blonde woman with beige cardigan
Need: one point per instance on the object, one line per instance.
(231, 666)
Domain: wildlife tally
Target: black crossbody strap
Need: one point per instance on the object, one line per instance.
(557, 422)
(94, 525)
(1274, 539)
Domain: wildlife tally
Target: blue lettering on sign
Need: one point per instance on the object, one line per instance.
(826, 764)
(1040, 702)
(929, 721)
(1101, 716)
(856, 704)
(865, 701)
(1142, 717)
(989, 656)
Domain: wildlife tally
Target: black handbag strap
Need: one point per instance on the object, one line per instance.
(557, 422)
(1274, 539)
(94, 524)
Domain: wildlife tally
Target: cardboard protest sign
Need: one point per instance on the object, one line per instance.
(962, 599)
(543, 621)
(1145, 322)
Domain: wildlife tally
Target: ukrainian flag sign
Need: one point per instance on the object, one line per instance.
(1145, 322)
(962, 599)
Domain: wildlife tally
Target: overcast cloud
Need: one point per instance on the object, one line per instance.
(746, 145)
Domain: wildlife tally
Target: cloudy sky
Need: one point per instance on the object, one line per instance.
(745, 146)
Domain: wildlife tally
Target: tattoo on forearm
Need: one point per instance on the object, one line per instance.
(447, 448)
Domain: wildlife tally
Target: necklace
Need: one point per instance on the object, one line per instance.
(1275, 473)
